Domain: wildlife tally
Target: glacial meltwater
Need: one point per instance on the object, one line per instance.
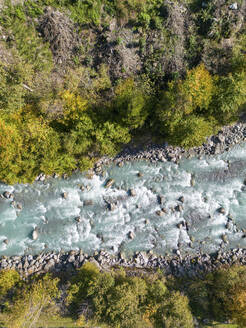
(198, 204)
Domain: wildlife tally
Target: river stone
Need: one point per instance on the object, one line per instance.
(161, 199)
(35, 234)
(159, 213)
(121, 164)
(112, 207)
(179, 208)
(181, 199)
(19, 206)
(132, 192)
(88, 202)
(192, 182)
(65, 195)
(164, 210)
(140, 174)
(6, 241)
(224, 238)
(221, 210)
(7, 194)
(78, 219)
(131, 235)
(109, 183)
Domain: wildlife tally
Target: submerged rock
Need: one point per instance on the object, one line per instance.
(88, 202)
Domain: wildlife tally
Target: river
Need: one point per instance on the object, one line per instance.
(209, 186)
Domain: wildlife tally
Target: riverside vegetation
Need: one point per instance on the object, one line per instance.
(79, 79)
(123, 298)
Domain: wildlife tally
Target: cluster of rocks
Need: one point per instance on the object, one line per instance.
(227, 137)
(176, 265)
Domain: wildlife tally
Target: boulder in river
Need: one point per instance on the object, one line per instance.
(88, 202)
(109, 183)
(140, 174)
(159, 213)
(7, 194)
(19, 206)
(221, 210)
(161, 199)
(65, 195)
(224, 238)
(132, 192)
(192, 182)
(35, 234)
(78, 219)
(181, 199)
(131, 235)
(179, 208)
(112, 206)
(6, 241)
(82, 188)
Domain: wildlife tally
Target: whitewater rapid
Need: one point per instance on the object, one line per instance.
(209, 186)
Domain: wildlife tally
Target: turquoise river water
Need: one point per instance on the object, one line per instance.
(206, 185)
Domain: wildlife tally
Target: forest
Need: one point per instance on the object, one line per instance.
(123, 298)
(81, 79)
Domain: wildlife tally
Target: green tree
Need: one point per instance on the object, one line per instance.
(174, 312)
(31, 301)
(8, 279)
(131, 104)
(229, 96)
(228, 294)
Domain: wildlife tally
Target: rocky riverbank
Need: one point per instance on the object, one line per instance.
(217, 144)
(177, 265)
(224, 140)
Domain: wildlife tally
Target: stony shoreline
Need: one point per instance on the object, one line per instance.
(217, 144)
(177, 265)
